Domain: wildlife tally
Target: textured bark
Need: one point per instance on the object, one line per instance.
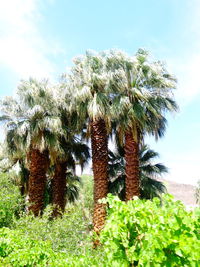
(99, 140)
(58, 188)
(37, 180)
(132, 166)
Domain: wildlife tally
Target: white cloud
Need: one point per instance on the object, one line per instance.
(23, 49)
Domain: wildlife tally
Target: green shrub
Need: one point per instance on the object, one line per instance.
(19, 250)
(71, 233)
(41, 241)
(148, 233)
(68, 234)
(10, 200)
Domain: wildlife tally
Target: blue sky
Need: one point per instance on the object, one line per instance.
(39, 38)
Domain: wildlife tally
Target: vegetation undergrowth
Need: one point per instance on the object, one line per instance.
(11, 203)
(43, 241)
(151, 233)
(137, 233)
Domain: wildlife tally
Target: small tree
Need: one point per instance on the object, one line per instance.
(72, 151)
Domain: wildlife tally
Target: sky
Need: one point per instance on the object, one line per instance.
(39, 38)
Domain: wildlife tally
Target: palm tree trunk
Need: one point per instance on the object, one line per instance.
(37, 180)
(58, 188)
(99, 140)
(132, 166)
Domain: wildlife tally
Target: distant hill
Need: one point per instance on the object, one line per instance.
(183, 192)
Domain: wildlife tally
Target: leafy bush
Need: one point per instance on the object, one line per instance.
(137, 233)
(19, 250)
(71, 233)
(10, 200)
(68, 234)
(148, 233)
(22, 251)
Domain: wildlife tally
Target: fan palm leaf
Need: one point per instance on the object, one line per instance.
(149, 174)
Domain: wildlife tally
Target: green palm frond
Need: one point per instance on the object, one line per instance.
(72, 187)
(146, 154)
(150, 186)
(153, 169)
(34, 120)
(89, 83)
(141, 92)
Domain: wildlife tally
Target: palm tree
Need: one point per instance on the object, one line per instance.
(58, 183)
(89, 82)
(33, 126)
(149, 173)
(62, 153)
(72, 152)
(12, 155)
(142, 95)
(71, 186)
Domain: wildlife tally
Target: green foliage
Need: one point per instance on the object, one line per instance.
(149, 172)
(19, 250)
(72, 232)
(72, 190)
(151, 233)
(139, 232)
(68, 234)
(65, 241)
(10, 200)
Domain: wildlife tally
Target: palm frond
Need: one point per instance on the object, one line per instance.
(150, 186)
